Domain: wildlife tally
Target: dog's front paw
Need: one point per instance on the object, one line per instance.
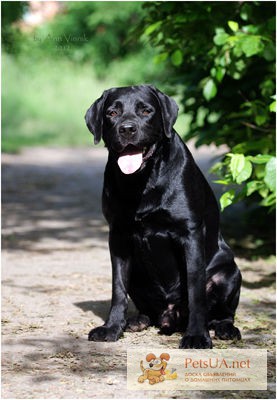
(225, 330)
(196, 342)
(105, 334)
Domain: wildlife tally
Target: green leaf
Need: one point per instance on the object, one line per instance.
(234, 26)
(260, 171)
(269, 200)
(272, 106)
(251, 45)
(236, 164)
(209, 90)
(177, 58)
(159, 58)
(260, 119)
(240, 65)
(270, 174)
(259, 159)
(220, 72)
(244, 15)
(245, 172)
(227, 199)
(153, 27)
(241, 168)
(253, 186)
(250, 29)
(269, 52)
(221, 37)
(263, 192)
(222, 182)
(267, 87)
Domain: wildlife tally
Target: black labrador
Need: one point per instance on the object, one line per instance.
(166, 249)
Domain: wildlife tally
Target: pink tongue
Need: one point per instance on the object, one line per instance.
(130, 163)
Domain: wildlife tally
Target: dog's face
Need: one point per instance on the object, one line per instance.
(156, 363)
(132, 121)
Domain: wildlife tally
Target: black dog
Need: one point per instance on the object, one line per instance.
(166, 249)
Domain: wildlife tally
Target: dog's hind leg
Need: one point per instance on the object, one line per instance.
(172, 320)
(137, 323)
(168, 321)
(223, 290)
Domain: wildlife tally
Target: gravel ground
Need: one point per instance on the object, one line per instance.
(57, 285)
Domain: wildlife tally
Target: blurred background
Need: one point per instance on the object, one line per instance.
(58, 57)
(216, 59)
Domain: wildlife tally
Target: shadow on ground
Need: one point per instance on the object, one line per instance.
(58, 202)
(57, 286)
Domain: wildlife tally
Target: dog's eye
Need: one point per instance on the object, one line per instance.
(146, 111)
(112, 113)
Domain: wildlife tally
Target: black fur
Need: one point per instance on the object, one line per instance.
(166, 249)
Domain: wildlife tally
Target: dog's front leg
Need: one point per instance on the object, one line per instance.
(197, 334)
(116, 321)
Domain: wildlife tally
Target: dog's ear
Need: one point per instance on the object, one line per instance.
(169, 110)
(165, 356)
(94, 117)
(150, 357)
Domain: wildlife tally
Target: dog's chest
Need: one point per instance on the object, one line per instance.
(156, 255)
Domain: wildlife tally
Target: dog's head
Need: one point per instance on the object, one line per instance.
(132, 121)
(157, 363)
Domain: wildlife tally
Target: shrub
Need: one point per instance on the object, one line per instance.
(224, 61)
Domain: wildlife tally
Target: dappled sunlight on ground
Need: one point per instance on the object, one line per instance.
(57, 286)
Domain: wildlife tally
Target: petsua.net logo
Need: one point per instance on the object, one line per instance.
(228, 369)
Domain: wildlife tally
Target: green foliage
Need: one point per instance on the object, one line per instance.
(43, 106)
(11, 12)
(95, 31)
(257, 172)
(99, 33)
(52, 74)
(223, 56)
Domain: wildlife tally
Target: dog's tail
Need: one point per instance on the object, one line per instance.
(141, 366)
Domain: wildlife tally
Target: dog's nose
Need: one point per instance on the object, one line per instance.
(128, 129)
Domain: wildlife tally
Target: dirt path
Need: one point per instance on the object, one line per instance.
(57, 285)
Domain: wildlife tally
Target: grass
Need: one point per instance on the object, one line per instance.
(43, 103)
